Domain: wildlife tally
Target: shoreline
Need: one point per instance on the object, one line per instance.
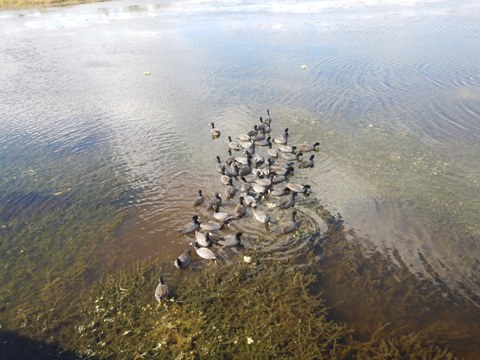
(6, 5)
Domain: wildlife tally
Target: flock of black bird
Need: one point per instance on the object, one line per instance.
(254, 175)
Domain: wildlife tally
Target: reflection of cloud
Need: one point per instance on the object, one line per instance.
(292, 6)
(468, 93)
(100, 13)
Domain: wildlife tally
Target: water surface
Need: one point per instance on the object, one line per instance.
(390, 89)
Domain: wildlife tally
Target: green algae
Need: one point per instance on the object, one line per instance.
(55, 217)
(259, 310)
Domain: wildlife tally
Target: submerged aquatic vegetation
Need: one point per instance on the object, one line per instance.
(262, 309)
(256, 306)
(55, 217)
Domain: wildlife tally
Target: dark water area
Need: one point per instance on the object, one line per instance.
(105, 143)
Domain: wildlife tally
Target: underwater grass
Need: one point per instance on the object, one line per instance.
(55, 216)
(261, 310)
(264, 309)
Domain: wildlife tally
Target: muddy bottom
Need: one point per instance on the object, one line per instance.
(374, 293)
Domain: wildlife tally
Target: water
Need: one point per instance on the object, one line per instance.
(106, 106)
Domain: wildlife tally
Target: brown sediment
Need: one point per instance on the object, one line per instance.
(368, 291)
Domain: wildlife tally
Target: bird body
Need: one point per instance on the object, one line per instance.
(277, 178)
(245, 144)
(249, 200)
(283, 139)
(231, 240)
(199, 200)
(204, 252)
(260, 216)
(292, 156)
(219, 166)
(262, 142)
(230, 158)
(286, 149)
(287, 202)
(258, 159)
(263, 126)
(183, 260)
(260, 136)
(268, 119)
(264, 181)
(212, 225)
(161, 292)
(282, 170)
(203, 239)
(278, 191)
(259, 189)
(232, 145)
(216, 201)
(225, 179)
(272, 152)
(291, 225)
(214, 132)
(298, 188)
(243, 137)
(231, 170)
(254, 132)
(242, 160)
(307, 148)
(245, 169)
(308, 163)
(191, 227)
(240, 210)
(230, 190)
(221, 215)
(250, 178)
(245, 187)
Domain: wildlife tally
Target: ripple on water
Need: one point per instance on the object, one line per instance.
(394, 105)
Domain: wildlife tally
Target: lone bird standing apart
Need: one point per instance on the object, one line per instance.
(161, 292)
(215, 133)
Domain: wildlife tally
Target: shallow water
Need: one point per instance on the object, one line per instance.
(390, 89)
